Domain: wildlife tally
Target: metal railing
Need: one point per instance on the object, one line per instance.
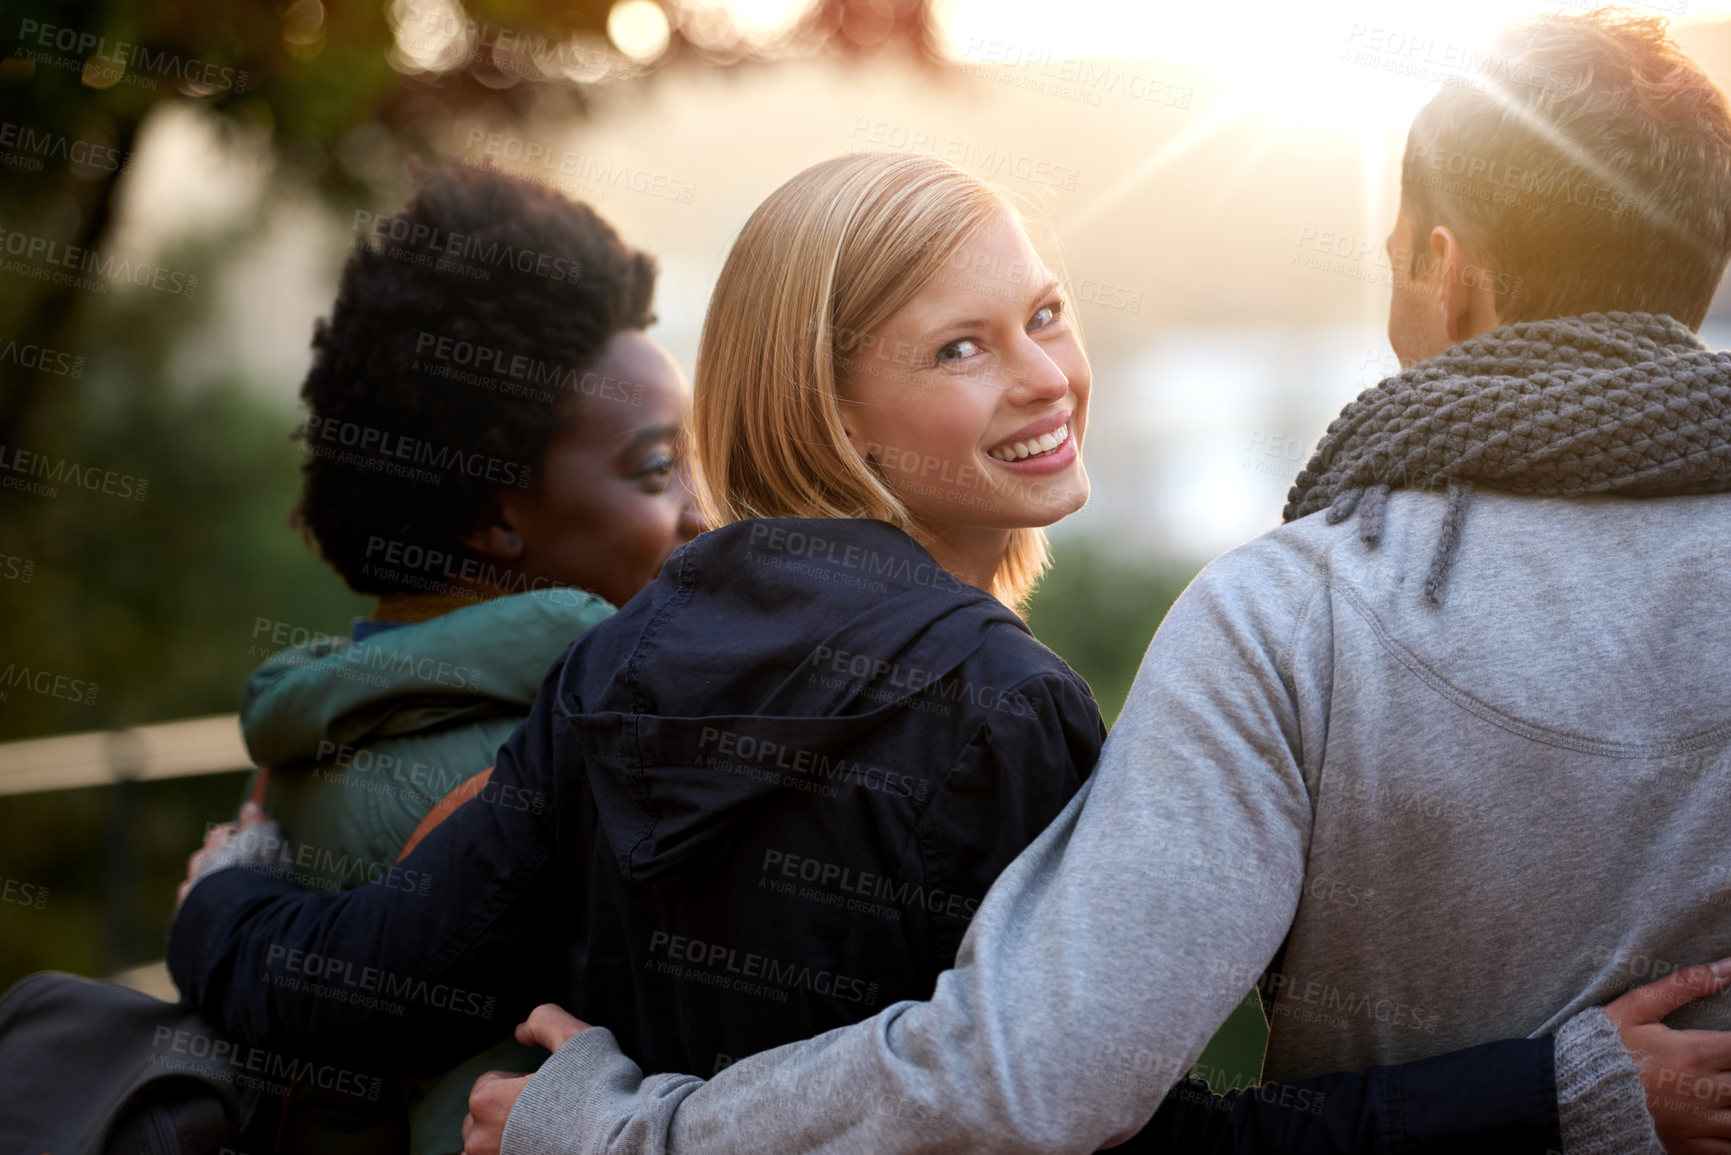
(183, 749)
(123, 758)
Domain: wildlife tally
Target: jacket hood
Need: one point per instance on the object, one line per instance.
(763, 652)
(484, 660)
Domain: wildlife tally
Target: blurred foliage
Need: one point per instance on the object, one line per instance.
(327, 82)
(155, 600)
(1098, 611)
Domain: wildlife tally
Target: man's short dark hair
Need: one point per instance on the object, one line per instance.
(460, 339)
(1588, 166)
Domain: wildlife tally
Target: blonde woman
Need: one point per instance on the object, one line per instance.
(784, 775)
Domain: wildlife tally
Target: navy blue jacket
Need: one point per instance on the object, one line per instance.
(760, 802)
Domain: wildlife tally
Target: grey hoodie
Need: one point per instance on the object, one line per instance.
(1433, 825)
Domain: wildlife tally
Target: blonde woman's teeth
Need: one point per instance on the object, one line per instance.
(1033, 447)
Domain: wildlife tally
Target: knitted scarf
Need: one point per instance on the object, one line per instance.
(1628, 403)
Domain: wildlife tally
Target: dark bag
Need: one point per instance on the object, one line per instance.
(91, 1068)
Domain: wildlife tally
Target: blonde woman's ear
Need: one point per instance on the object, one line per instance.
(863, 448)
(853, 439)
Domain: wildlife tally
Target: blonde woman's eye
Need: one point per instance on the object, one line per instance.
(957, 350)
(1045, 315)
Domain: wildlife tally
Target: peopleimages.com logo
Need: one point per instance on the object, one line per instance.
(114, 60)
(436, 243)
(42, 258)
(28, 463)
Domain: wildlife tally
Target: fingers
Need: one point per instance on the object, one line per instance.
(1682, 1072)
(214, 840)
(1688, 1091)
(541, 1027)
(253, 835)
(1696, 1130)
(490, 1103)
(558, 1025)
(1709, 1051)
(218, 835)
(550, 1026)
(485, 1078)
(1704, 1093)
(1651, 1003)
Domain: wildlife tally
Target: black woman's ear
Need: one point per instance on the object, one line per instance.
(495, 540)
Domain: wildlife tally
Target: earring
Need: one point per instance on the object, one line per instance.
(513, 543)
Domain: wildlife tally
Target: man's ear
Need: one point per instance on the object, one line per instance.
(500, 538)
(1466, 292)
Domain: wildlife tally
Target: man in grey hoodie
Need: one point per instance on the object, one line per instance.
(1448, 762)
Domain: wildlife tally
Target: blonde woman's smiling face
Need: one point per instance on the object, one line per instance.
(972, 398)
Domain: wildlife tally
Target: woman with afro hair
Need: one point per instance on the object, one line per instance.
(494, 454)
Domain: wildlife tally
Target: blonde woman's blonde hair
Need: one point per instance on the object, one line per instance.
(818, 267)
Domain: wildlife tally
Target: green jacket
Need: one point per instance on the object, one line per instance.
(362, 740)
